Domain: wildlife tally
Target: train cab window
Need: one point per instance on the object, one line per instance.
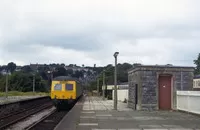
(69, 86)
(58, 87)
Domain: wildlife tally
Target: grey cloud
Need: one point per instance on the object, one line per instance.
(23, 33)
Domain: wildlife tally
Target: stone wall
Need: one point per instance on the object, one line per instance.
(132, 78)
(148, 91)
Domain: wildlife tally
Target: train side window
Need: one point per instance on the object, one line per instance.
(69, 87)
(58, 87)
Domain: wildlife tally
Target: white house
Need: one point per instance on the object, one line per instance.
(4, 72)
(122, 91)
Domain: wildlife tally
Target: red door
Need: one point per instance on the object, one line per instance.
(165, 92)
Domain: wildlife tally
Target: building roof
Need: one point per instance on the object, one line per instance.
(164, 66)
(161, 66)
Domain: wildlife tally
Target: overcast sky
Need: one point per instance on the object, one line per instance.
(90, 31)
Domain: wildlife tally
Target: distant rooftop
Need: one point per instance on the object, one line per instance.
(197, 76)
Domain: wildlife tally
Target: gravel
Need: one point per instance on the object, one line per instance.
(50, 122)
(30, 120)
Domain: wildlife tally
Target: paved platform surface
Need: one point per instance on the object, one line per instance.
(11, 99)
(94, 114)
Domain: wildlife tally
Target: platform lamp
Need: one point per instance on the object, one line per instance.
(115, 81)
(97, 86)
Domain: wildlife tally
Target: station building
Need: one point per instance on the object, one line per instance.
(154, 87)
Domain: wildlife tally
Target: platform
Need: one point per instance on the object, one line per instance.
(92, 113)
(12, 99)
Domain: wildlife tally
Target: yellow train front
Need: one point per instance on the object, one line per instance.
(65, 91)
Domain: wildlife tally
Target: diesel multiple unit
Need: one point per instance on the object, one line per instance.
(65, 91)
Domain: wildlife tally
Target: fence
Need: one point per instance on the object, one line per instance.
(121, 94)
(188, 101)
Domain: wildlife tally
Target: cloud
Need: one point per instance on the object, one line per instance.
(89, 32)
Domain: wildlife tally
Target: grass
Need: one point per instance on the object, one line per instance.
(16, 93)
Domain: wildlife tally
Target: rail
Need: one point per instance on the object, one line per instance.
(11, 120)
(42, 119)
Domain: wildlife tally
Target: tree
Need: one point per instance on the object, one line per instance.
(11, 67)
(26, 69)
(63, 65)
(71, 65)
(78, 74)
(20, 81)
(69, 72)
(122, 75)
(197, 63)
(60, 71)
(44, 75)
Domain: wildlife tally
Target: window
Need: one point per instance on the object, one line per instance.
(69, 86)
(58, 87)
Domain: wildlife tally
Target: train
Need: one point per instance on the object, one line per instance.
(65, 91)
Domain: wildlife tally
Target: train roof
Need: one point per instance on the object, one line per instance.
(64, 78)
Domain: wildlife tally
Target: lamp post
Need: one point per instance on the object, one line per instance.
(115, 81)
(33, 83)
(103, 84)
(97, 86)
(51, 75)
(6, 84)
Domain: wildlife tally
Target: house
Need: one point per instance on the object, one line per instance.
(76, 68)
(18, 68)
(153, 87)
(35, 67)
(122, 91)
(4, 72)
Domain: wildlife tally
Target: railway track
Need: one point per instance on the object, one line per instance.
(48, 122)
(16, 117)
(21, 106)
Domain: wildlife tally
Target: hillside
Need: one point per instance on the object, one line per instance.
(20, 78)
